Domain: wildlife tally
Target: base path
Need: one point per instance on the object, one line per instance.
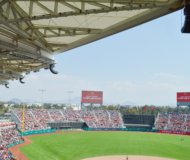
(129, 158)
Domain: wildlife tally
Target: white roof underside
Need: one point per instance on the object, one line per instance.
(95, 21)
(100, 21)
(31, 32)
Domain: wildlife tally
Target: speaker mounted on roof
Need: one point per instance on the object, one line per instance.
(186, 26)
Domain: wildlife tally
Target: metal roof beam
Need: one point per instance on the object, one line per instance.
(25, 53)
(22, 14)
(18, 28)
(56, 7)
(44, 7)
(2, 60)
(70, 6)
(55, 34)
(56, 45)
(31, 8)
(67, 28)
(91, 11)
(98, 5)
(98, 1)
(8, 10)
(3, 2)
(64, 35)
(69, 31)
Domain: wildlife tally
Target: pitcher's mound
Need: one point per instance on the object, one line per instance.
(129, 158)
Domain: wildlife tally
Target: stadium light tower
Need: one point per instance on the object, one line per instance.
(42, 90)
(69, 96)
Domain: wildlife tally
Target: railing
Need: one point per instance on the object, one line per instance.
(27, 133)
(122, 129)
(7, 127)
(14, 144)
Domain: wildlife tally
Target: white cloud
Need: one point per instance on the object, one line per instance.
(33, 77)
(166, 75)
(151, 92)
(156, 84)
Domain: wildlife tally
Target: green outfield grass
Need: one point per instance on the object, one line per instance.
(76, 146)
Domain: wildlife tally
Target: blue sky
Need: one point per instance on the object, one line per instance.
(147, 64)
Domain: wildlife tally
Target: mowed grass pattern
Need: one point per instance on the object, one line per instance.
(77, 146)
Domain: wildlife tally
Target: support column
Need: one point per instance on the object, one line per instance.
(91, 106)
(177, 108)
(101, 106)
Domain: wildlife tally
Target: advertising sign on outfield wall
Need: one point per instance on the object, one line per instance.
(105, 129)
(39, 132)
(174, 132)
(92, 97)
(11, 145)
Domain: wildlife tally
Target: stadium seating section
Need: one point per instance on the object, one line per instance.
(173, 121)
(7, 137)
(7, 124)
(35, 119)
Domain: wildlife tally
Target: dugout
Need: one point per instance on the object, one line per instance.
(139, 121)
(67, 125)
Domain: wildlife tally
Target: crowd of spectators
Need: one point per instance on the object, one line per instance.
(173, 121)
(177, 117)
(163, 118)
(41, 114)
(116, 118)
(71, 115)
(35, 119)
(56, 115)
(7, 137)
(7, 124)
(28, 115)
(34, 125)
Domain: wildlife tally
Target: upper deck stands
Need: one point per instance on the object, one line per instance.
(174, 121)
(35, 119)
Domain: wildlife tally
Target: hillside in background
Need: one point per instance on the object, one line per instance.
(15, 100)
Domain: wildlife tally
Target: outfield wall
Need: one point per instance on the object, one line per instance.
(122, 129)
(88, 129)
(174, 132)
(39, 132)
(11, 145)
(103, 129)
(139, 130)
(48, 131)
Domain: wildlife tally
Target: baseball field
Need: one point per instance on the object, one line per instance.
(77, 146)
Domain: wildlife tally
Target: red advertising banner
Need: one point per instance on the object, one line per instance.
(183, 97)
(174, 132)
(92, 97)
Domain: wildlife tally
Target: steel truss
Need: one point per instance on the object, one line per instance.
(22, 21)
(27, 46)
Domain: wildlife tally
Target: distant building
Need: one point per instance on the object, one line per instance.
(34, 104)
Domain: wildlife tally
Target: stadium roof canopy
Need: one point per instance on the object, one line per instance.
(33, 31)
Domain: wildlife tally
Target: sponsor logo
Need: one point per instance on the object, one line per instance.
(184, 97)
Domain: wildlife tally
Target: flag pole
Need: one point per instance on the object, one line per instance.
(23, 120)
